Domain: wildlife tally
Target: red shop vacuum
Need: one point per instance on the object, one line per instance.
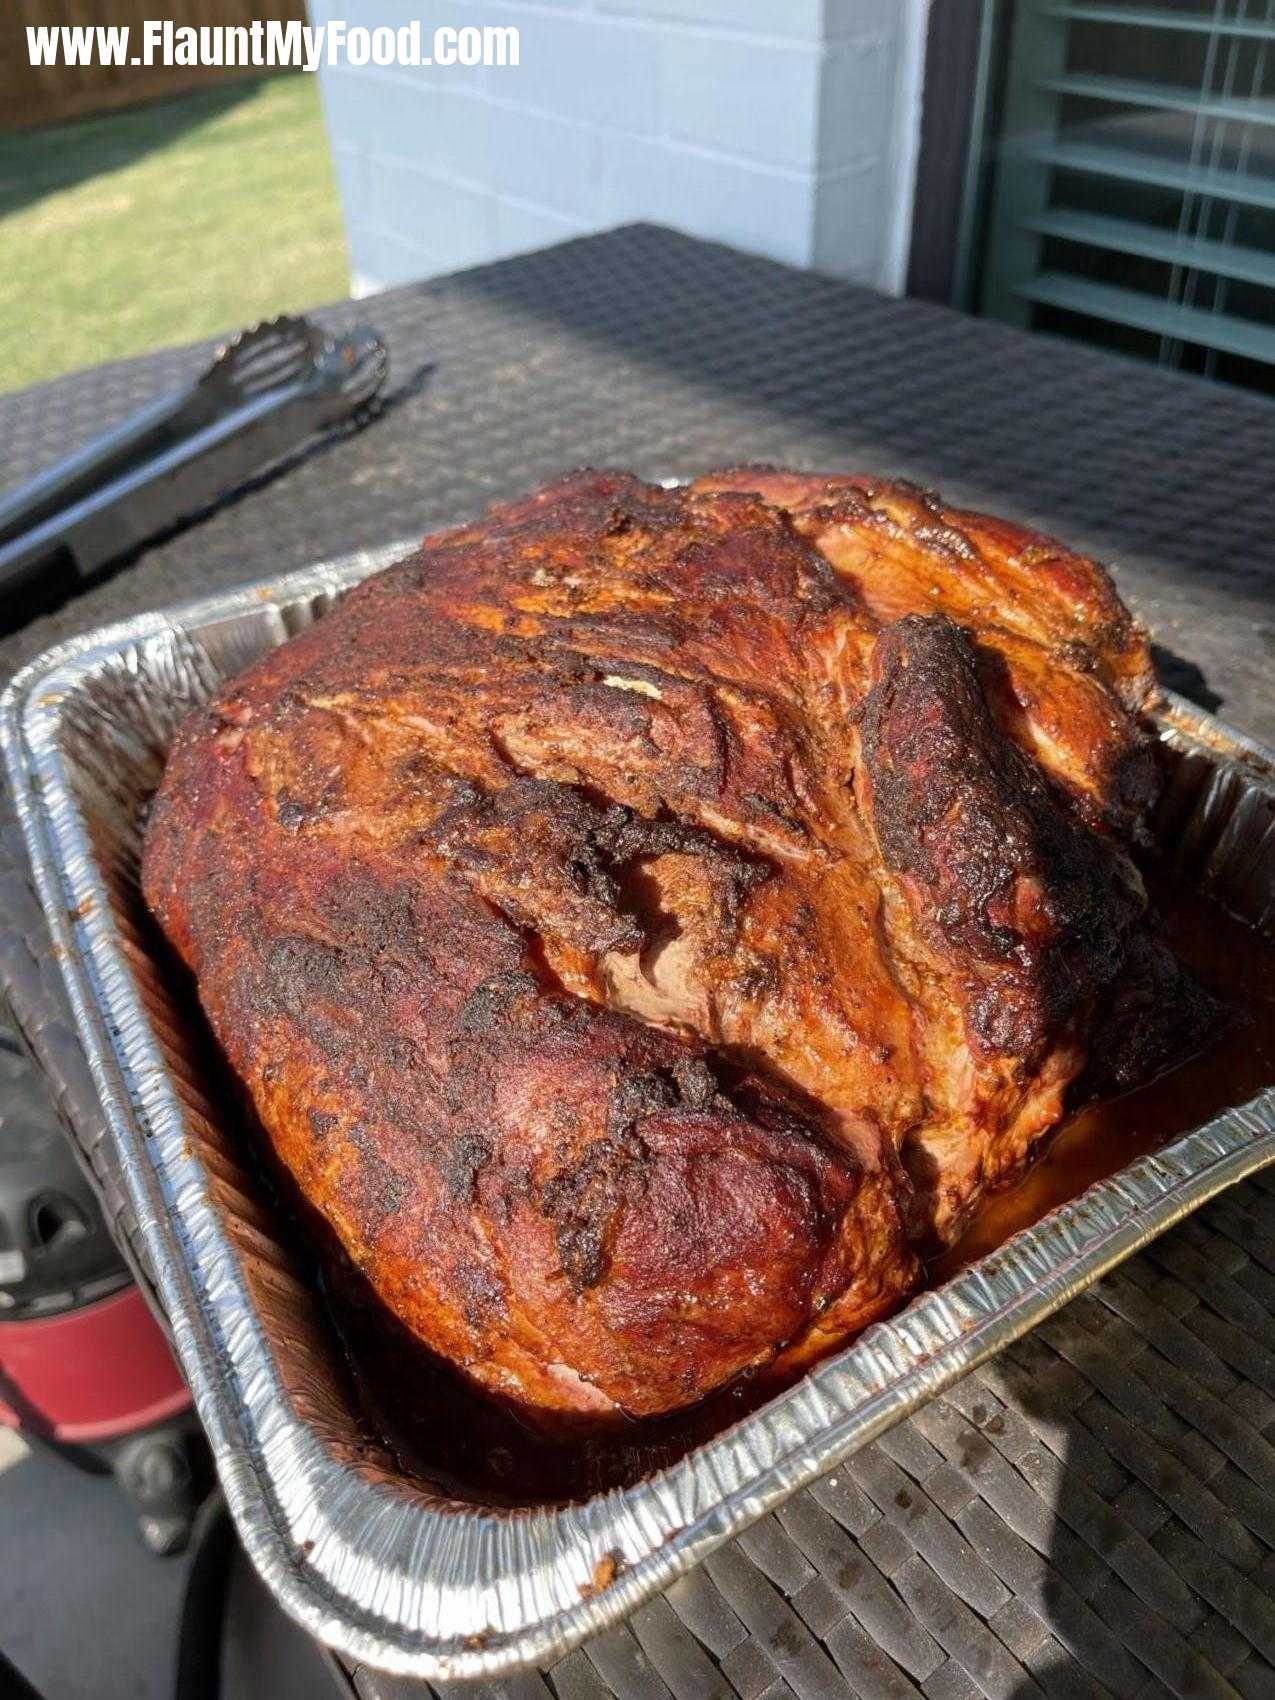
(84, 1367)
(86, 1371)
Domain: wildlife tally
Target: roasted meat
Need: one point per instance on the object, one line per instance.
(642, 921)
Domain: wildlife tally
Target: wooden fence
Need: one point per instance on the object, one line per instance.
(46, 94)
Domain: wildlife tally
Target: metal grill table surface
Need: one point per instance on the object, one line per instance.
(1093, 1511)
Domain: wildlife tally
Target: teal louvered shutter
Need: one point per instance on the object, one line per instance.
(1132, 195)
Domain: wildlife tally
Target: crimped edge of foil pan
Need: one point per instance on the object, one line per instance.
(373, 1566)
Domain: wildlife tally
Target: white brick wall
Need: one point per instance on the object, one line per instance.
(787, 127)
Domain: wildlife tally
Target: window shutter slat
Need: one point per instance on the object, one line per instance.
(1131, 166)
(1152, 17)
(1163, 97)
(1126, 236)
(1133, 199)
(1146, 313)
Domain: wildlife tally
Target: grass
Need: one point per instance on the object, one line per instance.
(163, 224)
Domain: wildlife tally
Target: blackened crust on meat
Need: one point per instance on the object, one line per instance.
(1035, 908)
(1152, 1016)
(585, 1201)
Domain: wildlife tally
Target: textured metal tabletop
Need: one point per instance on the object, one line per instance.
(1094, 1512)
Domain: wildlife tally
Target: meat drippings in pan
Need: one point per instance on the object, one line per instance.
(648, 923)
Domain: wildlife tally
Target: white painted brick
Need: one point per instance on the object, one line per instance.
(532, 7)
(446, 132)
(765, 211)
(351, 170)
(375, 14)
(774, 124)
(856, 101)
(861, 17)
(448, 220)
(519, 227)
(582, 67)
(799, 18)
(348, 103)
(852, 223)
(746, 97)
(393, 115)
(633, 100)
(379, 259)
(552, 162)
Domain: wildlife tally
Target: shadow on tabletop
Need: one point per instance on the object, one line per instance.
(1136, 1416)
(1044, 430)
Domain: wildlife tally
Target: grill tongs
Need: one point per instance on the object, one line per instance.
(266, 393)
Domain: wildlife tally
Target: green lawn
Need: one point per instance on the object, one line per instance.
(164, 223)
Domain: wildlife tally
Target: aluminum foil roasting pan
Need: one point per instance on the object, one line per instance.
(372, 1564)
